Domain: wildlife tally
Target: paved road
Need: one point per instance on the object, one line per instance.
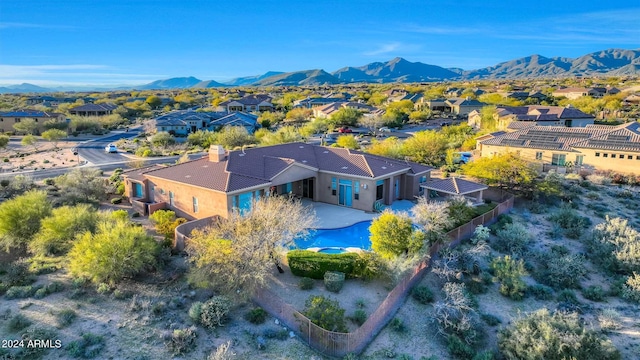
(93, 150)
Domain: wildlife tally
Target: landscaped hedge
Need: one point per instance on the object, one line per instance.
(314, 264)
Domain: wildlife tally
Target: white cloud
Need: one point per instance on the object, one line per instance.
(75, 73)
(384, 49)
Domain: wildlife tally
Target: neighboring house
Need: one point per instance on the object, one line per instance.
(93, 109)
(9, 118)
(434, 104)
(576, 92)
(248, 121)
(414, 98)
(249, 103)
(326, 111)
(631, 100)
(525, 96)
(224, 180)
(310, 103)
(464, 106)
(535, 115)
(599, 147)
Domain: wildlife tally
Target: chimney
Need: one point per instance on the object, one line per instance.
(217, 153)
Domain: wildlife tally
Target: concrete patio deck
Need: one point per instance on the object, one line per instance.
(334, 216)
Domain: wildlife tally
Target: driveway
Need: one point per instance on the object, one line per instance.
(93, 150)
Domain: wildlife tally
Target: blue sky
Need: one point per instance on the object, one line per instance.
(137, 41)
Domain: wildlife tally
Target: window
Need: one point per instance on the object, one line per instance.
(356, 190)
(538, 155)
(162, 191)
(605, 155)
(195, 204)
(597, 154)
(423, 179)
(17, 120)
(379, 189)
(579, 160)
(613, 156)
(558, 159)
(333, 186)
(629, 157)
(171, 198)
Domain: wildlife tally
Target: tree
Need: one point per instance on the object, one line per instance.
(234, 136)
(153, 101)
(298, 115)
(372, 123)
(163, 139)
(238, 253)
(392, 235)
(285, 134)
(425, 147)
(345, 116)
(433, 216)
(509, 272)
(117, 250)
(26, 126)
(389, 147)
(347, 141)
(82, 185)
(325, 313)
(54, 135)
(542, 335)
(270, 118)
(4, 141)
(166, 222)
(20, 218)
(30, 140)
(420, 116)
(507, 170)
(398, 112)
(58, 231)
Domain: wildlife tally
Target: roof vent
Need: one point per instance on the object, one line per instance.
(301, 147)
(304, 161)
(205, 166)
(325, 152)
(241, 154)
(384, 167)
(187, 176)
(345, 167)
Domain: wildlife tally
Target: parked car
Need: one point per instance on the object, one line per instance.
(386, 129)
(345, 130)
(462, 157)
(111, 148)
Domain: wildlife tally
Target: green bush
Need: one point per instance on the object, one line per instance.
(314, 264)
(359, 317)
(541, 292)
(18, 274)
(334, 281)
(615, 246)
(117, 200)
(491, 320)
(541, 335)
(513, 238)
(564, 271)
(306, 283)
(278, 334)
(631, 288)
(422, 294)
(569, 220)
(65, 317)
(594, 293)
(459, 348)
(88, 347)
(17, 323)
(398, 325)
(35, 333)
(256, 316)
(214, 312)
(195, 312)
(325, 313)
(21, 292)
(501, 222)
(509, 272)
(567, 296)
(181, 341)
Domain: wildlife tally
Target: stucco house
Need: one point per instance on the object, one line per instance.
(464, 106)
(224, 180)
(249, 103)
(326, 111)
(594, 147)
(93, 109)
(10, 118)
(535, 115)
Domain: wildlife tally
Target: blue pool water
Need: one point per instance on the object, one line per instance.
(356, 235)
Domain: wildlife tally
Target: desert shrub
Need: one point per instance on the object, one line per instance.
(20, 218)
(592, 195)
(359, 317)
(103, 288)
(65, 317)
(35, 333)
(393, 235)
(460, 211)
(40, 293)
(195, 312)
(616, 246)
(305, 283)
(314, 264)
(165, 222)
(541, 335)
(513, 238)
(333, 281)
(481, 233)
(609, 319)
(563, 271)
(214, 312)
(325, 313)
(88, 347)
(256, 316)
(116, 200)
(278, 334)
(594, 293)
(501, 222)
(18, 274)
(567, 296)
(509, 272)
(181, 341)
(398, 325)
(599, 179)
(368, 265)
(17, 323)
(631, 289)
(458, 348)
(569, 220)
(490, 320)
(21, 292)
(455, 314)
(422, 294)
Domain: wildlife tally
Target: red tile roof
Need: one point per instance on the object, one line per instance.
(454, 185)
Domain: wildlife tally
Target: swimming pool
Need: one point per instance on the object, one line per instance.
(338, 240)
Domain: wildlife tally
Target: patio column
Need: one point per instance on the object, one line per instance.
(479, 198)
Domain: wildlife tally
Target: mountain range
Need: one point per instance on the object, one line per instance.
(610, 62)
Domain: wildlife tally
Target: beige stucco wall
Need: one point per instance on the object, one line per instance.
(7, 122)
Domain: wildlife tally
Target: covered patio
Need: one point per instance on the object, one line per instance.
(441, 189)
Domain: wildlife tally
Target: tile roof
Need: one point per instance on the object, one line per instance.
(621, 137)
(95, 107)
(454, 185)
(28, 113)
(465, 102)
(236, 118)
(541, 113)
(249, 100)
(258, 166)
